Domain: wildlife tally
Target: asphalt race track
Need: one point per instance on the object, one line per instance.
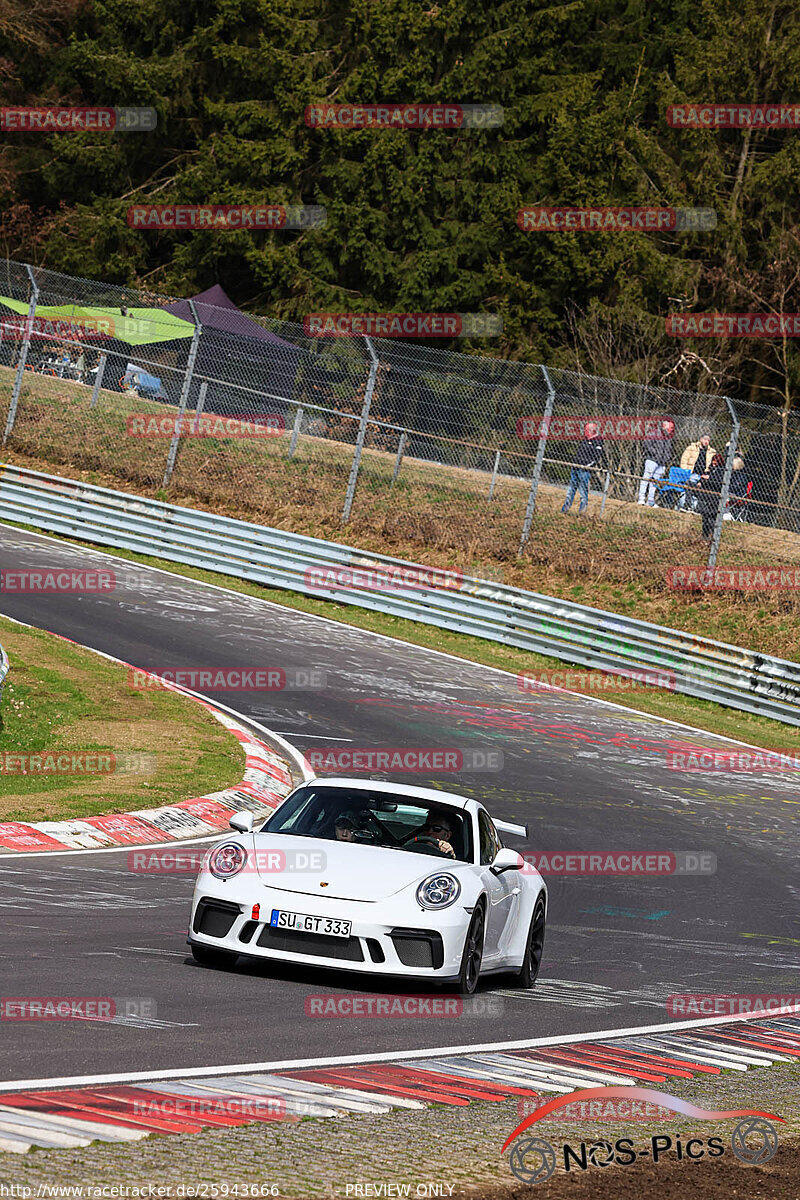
(585, 776)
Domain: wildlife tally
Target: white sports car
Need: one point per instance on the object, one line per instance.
(376, 877)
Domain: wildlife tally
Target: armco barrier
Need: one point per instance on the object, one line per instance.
(729, 675)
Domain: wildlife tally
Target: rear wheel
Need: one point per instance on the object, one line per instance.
(472, 957)
(210, 956)
(528, 972)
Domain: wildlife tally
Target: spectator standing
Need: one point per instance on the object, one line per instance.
(657, 457)
(737, 492)
(710, 488)
(697, 457)
(590, 454)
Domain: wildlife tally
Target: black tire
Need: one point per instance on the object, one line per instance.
(472, 956)
(209, 956)
(529, 971)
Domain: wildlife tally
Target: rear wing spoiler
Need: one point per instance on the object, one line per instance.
(507, 827)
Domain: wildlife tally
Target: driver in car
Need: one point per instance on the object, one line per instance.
(438, 830)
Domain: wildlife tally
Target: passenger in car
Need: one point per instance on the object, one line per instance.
(345, 827)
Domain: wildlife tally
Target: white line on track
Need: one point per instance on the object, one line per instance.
(317, 736)
(353, 1060)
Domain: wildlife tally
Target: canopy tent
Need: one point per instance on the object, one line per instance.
(236, 349)
(233, 349)
(79, 322)
(217, 311)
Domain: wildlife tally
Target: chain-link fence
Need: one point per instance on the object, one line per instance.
(456, 457)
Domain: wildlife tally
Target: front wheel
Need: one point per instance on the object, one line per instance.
(472, 957)
(528, 972)
(210, 956)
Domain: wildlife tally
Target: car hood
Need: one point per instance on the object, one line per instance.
(351, 872)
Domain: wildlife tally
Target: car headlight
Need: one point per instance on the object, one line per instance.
(227, 860)
(439, 891)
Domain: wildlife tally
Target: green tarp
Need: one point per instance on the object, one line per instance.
(139, 328)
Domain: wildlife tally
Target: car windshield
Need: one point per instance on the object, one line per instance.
(366, 818)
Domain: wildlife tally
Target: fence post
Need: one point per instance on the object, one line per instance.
(201, 403)
(400, 451)
(298, 417)
(537, 466)
(187, 383)
(23, 357)
(606, 486)
(495, 469)
(362, 433)
(98, 379)
(726, 483)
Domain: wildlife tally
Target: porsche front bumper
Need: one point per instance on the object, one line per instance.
(391, 937)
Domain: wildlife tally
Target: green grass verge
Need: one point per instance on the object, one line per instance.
(434, 514)
(161, 747)
(702, 714)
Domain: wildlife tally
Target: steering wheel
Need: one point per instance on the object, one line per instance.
(425, 840)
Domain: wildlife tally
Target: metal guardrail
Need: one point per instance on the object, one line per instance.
(729, 675)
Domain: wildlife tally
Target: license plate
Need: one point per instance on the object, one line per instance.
(305, 924)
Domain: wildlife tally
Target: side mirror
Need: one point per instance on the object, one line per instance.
(506, 860)
(242, 822)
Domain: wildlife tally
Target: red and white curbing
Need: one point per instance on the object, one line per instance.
(266, 782)
(70, 1113)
